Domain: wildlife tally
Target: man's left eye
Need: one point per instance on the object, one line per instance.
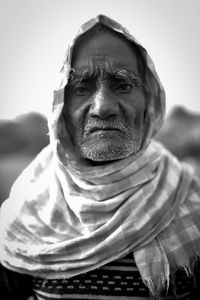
(123, 88)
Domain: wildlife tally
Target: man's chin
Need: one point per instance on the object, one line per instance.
(106, 151)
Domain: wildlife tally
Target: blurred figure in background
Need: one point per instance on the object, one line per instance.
(104, 210)
(21, 139)
(180, 134)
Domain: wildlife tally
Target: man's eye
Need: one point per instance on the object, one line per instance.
(123, 88)
(81, 90)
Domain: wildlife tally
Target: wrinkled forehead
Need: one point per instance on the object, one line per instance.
(106, 51)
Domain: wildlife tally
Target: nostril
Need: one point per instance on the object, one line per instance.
(103, 109)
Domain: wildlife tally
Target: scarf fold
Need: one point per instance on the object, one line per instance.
(65, 225)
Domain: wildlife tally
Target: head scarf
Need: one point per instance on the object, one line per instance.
(155, 107)
(64, 217)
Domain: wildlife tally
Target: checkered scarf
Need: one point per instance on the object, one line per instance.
(64, 218)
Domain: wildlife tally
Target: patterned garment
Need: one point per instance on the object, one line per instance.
(65, 218)
(115, 281)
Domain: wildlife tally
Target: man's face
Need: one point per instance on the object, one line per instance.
(105, 102)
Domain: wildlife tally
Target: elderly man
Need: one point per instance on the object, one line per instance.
(104, 212)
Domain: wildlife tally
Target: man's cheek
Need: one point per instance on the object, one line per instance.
(138, 118)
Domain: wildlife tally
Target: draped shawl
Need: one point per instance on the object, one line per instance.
(65, 217)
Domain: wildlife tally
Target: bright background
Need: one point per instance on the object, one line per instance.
(34, 35)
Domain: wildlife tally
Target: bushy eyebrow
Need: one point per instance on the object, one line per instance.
(87, 74)
(127, 75)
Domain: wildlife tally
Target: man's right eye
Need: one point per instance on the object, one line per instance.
(81, 90)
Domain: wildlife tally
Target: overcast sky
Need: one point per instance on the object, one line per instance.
(34, 35)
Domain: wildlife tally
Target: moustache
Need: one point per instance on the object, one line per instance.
(93, 125)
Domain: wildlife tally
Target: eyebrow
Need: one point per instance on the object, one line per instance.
(125, 74)
(88, 74)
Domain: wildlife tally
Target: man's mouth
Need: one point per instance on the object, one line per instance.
(106, 133)
(103, 130)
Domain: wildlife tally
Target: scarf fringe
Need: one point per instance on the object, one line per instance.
(157, 286)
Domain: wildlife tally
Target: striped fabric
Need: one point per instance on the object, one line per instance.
(65, 218)
(118, 280)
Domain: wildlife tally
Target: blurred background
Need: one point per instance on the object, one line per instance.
(34, 36)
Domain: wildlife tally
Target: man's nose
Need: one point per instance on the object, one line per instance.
(104, 103)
